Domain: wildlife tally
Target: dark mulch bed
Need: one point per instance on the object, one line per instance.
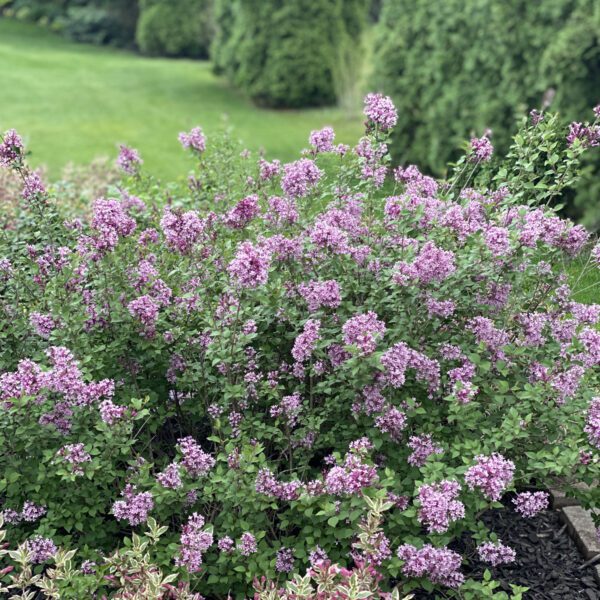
(548, 561)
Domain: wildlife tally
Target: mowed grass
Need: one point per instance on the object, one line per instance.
(74, 102)
(584, 279)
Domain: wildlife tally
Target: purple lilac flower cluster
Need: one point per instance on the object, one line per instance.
(380, 111)
(247, 544)
(322, 140)
(42, 324)
(481, 149)
(529, 504)
(40, 549)
(194, 140)
(194, 542)
(439, 505)
(171, 477)
(320, 293)
(432, 264)
(491, 474)
(592, 426)
(33, 187)
(300, 177)
(64, 378)
(11, 149)
(195, 461)
(250, 267)
(496, 553)
(422, 447)
(129, 160)
(135, 507)
(401, 357)
(182, 230)
(305, 343)
(439, 565)
(353, 475)
(364, 331)
(284, 562)
(75, 455)
(30, 513)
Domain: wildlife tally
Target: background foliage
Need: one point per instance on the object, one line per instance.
(455, 68)
(288, 54)
(174, 27)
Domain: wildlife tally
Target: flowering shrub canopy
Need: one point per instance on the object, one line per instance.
(301, 366)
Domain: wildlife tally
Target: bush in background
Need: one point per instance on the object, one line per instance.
(92, 21)
(456, 68)
(175, 28)
(287, 54)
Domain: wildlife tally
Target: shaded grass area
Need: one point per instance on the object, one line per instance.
(584, 279)
(73, 102)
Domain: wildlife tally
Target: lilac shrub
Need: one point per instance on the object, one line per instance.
(254, 357)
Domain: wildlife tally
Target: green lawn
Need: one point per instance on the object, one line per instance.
(73, 102)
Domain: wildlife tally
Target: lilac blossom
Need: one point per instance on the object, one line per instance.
(171, 477)
(247, 544)
(322, 140)
(31, 512)
(195, 461)
(422, 447)
(33, 186)
(76, 455)
(400, 357)
(306, 342)
(284, 562)
(300, 177)
(194, 542)
(592, 426)
(392, 422)
(42, 324)
(194, 140)
(439, 505)
(491, 474)
(112, 413)
(243, 212)
(529, 504)
(11, 149)
(40, 549)
(481, 149)
(135, 507)
(129, 160)
(439, 565)
(364, 331)
(226, 545)
(182, 230)
(495, 553)
(380, 111)
(289, 407)
(268, 170)
(320, 293)
(250, 267)
(145, 310)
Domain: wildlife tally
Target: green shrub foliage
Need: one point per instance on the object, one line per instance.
(459, 67)
(287, 54)
(242, 373)
(96, 22)
(175, 27)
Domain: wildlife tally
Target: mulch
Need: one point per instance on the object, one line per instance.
(548, 562)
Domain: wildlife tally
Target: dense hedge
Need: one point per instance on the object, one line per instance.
(174, 27)
(96, 21)
(287, 54)
(457, 67)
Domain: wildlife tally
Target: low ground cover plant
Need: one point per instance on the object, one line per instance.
(299, 380)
